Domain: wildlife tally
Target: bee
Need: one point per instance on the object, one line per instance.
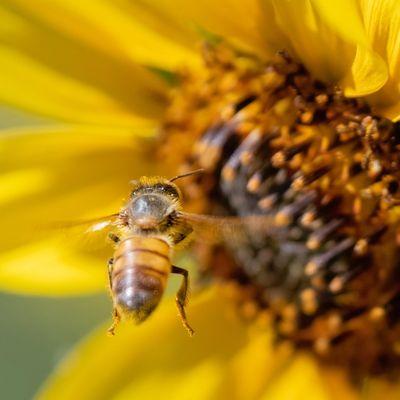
(146, 232)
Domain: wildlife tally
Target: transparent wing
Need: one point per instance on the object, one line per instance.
(231, 230)
(89, 225)
(90, 234)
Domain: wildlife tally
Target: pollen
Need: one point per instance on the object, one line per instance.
(273, 140)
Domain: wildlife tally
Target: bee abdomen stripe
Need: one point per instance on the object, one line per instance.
(140, 250)
(131, 269)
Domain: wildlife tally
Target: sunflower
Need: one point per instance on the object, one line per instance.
(299, 95)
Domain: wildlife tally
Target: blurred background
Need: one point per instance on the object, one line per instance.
(37, 333)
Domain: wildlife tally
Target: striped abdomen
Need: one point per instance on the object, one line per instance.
(139, 276)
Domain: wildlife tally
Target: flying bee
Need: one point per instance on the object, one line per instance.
(146, 231)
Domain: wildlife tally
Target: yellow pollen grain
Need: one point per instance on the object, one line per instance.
(309, 301)
(376, 314)
(336, 284)
(311, 268)
(264, 319)
(282, 219)
(357, 205)
(322, 346)
(321, 99)
(265, 203)
(313, 243)
(289, 312)
(307, 117)
(334, 322)
(249, 310)
(361, 247)
(227, 112)
(228, 173)
(298, 183)
(318, 282)
(287, 327)
(272, 79)
(278, 159)
(307, 218)
(253, 184)
(296, 161)
(374, 168)
(245, 158)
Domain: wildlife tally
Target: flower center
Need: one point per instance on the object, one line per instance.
(275, 141)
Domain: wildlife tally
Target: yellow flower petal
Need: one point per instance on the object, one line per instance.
(106, 25)
(61, 174)
(55, 75)
(375, 388)
(256, 365)
(153, 359)
(226, 359)
(343, 16)
(382, 22)
(328, 37)
(312, 41)
(46, 268)
(300, 381)
(368, 72)
(240, 22)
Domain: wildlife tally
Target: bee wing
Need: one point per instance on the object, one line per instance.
(89, 225)
(230, 230)
(88, 233)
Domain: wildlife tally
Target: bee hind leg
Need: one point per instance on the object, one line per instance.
(115, 315)
(116, 319)
(181, 297)
(110, 267)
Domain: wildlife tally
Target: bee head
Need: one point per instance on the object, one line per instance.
(152, 201)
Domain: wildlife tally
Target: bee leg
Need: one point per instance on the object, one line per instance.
(113, 237)
(115, 314)
(181, 296)
(116, 320)
(110, 266)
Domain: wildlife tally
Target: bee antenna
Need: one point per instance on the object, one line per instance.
(195, 172)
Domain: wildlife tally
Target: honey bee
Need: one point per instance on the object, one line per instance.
(146, 231)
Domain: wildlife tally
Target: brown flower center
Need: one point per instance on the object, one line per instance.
(275, 141)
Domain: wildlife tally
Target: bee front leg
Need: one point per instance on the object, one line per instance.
(113, 237)
(182, 295)
(115, 315)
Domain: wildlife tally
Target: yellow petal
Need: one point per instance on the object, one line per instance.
(156, 358)
(369, 71)
(255, 366)
(226, 359)
(240, 22)
(46, 268)
(375, 388)
(300, 381)
(343, 16)
(328, 37)
(45, 71)
(106, 25)
(61, 174)
(382, 22)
